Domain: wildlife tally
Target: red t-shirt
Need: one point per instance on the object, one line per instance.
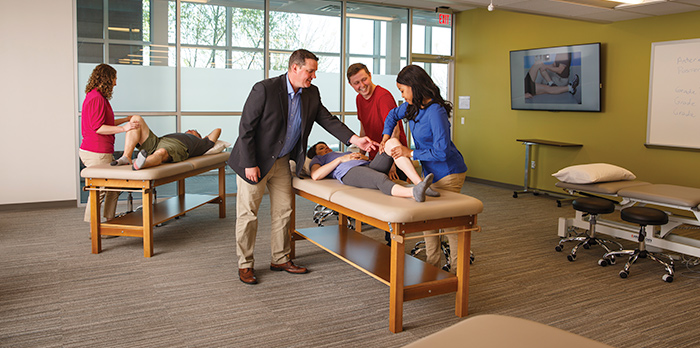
(96, 112)
(372, 113)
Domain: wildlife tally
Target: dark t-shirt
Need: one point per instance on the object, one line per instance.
(195, 146)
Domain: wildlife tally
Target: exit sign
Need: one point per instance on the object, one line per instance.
(444, 18)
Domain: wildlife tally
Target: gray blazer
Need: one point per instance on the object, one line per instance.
(263, 126)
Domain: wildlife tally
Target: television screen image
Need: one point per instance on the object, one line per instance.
(564, 78)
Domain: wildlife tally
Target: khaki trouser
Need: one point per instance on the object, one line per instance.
(109, 197)
(279, 183)
(454, 183)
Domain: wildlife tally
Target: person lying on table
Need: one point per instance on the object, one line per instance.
(154, 150)
(355, 169)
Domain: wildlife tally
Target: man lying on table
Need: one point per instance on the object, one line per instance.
(154, 150)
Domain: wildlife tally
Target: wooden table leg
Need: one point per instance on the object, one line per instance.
(147, 222)
(222, 192)
(462, 296)
(396, 288)
(94, 202)
(342, 220)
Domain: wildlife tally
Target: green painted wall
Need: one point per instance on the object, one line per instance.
(616, 135)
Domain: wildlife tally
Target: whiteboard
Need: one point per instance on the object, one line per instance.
(673, 117)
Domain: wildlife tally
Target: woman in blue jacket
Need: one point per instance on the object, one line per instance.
(427, 114)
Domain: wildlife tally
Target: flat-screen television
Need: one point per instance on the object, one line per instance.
(563, 78)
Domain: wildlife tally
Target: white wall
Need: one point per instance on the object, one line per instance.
(37, 101)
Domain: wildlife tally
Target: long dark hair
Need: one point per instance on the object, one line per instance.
(423, 88)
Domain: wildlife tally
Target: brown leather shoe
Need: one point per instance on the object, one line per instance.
(289, 267)
(247, 276)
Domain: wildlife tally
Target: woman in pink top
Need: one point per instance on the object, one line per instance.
(98, 128)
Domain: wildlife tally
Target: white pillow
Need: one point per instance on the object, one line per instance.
(219, 146)
(305, 171)
(592, 173)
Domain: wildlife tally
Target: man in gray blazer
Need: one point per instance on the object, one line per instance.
(275, 126)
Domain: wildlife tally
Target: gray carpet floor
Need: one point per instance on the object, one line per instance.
(55, 293)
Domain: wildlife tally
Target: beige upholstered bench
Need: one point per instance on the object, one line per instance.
(140, 223)
(498, 331)
(408, 278)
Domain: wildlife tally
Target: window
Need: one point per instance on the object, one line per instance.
(432, 33)
(376, 37)
(313, 25)
(223, 51)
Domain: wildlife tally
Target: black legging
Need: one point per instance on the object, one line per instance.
(372, 176)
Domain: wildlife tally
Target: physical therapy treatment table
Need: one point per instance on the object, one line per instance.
(140, 223)
(632, 192)
(408, 278)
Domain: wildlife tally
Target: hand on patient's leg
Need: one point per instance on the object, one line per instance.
(404, 163)
(133, 138)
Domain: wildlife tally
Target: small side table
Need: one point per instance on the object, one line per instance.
(528, 144)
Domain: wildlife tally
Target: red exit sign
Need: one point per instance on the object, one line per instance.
(444, 18)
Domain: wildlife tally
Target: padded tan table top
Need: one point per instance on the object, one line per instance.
(606, 188)
(498, 331)
(106, 171)
(375, 204)
(663, 193)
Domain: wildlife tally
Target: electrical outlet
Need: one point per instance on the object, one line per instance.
(532, 164)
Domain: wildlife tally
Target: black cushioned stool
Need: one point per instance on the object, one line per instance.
(642, 216)
(591, 206)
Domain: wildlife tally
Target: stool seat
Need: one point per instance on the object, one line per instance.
(593, 205)
(644, 216)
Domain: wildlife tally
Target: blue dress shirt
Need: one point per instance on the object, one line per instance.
(293, 119)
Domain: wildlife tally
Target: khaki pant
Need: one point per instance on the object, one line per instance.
(109, 197)
(279, 183)
(454, 183)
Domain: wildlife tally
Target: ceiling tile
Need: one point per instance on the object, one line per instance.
(610, 16)
(660, 9)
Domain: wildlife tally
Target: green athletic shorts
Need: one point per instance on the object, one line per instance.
(175, 148)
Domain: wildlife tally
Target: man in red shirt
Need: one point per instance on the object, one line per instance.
(373, 104)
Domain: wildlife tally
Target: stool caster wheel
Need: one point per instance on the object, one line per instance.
(571, 257)
(586, 246)
(558, 248)
(471, 259)
(624, 274)
(515, 195)
(667, 278)
(602, 262)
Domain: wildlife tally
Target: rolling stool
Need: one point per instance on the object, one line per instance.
(642, 216)
(591, 206)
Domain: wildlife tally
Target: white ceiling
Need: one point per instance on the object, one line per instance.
(593, 11)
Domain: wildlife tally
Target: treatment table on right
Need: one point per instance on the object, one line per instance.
(673, 199)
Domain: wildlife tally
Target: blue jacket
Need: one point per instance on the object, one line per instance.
(431, 137)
